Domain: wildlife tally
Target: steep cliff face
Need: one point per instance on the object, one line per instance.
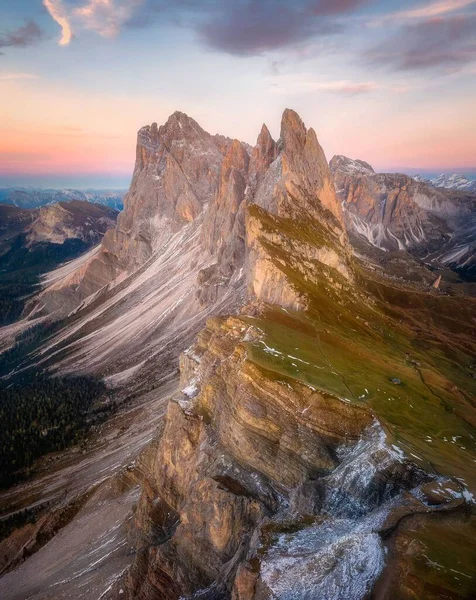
(396, 212)
(146, 278)
(295, 211)
(176, 174)
(263, 486)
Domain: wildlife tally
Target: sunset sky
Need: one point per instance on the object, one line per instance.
(391, 82)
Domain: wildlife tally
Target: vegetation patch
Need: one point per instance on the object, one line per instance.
(44, 415)
(21, 268)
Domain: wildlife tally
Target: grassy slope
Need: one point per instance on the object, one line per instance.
(355, 338)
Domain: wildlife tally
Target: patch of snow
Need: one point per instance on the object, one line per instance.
(191, 390)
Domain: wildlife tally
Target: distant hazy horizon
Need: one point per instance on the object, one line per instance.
(122, 182)
(76, 182)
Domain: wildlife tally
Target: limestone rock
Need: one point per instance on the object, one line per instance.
(263, 154)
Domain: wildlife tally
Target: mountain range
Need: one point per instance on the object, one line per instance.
(397, 212)
(34, 241)
(285, 351)
(451, 182)
(30, 197)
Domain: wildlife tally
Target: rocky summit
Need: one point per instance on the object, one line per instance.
(293, 398)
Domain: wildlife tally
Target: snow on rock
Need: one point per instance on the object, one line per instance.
(191, 390)
(324, 561)
(451, 182)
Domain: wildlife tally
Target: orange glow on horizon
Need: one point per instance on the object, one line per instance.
(96, 133)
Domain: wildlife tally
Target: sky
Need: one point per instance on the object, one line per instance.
(390, 82)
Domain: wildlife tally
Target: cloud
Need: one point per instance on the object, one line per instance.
(441, 42)
(301, 84)
(433, 9)
(252, 27)
(239, 27)
(10, 76)
(334, 7)
(106, 17)
(58, 14)
(28, 35)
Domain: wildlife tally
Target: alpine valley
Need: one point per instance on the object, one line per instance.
(258, 383)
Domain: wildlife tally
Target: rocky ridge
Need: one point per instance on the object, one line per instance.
(260, 487)
(189, 196)
(263, 483)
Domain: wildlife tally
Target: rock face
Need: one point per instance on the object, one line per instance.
(296, 188)
(176, 174)
(397, 212)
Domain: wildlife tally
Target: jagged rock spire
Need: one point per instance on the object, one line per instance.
(264, 153)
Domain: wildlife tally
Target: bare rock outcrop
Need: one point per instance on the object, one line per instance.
(177, 173)
(225, 212)
(185, 176)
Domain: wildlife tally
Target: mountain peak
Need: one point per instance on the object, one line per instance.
(301, 144)
(264, 134)
(350, 166)
(180, 125)
(305, 166)
(293, 129)
(264, 153)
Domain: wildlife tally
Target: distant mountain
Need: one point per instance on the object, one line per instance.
(33, 241)
(395, 212)
(28, 197)
(450, 182)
